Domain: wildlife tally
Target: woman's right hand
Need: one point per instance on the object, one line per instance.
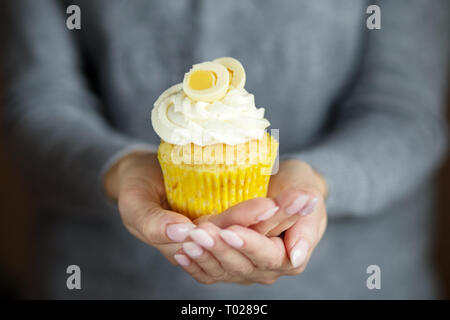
(136, 183)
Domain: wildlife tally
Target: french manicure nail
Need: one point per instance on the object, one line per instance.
(231, 238)
(309, 208)
(182, 260)
(299, 253)
(297, 204)
(192, 249)
(268, 214)
(179, 231)
(202, 238)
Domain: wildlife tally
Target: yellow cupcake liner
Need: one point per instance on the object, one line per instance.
(208, 180)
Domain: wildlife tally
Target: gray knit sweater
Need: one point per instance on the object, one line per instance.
(364, 107)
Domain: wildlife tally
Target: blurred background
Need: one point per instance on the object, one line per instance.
(18, 225)
(17, 220)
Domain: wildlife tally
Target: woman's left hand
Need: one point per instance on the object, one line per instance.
(253, 254)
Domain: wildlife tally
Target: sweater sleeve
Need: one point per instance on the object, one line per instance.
(52, 120)
(388, 133)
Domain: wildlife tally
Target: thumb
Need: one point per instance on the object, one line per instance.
(153, 224)
(244, 213)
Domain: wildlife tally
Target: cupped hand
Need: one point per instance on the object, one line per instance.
(298, 190)
(219, 252)
(136, 183)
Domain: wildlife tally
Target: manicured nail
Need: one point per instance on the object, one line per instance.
(231, 238)
(192, 249)
(202, 238)
(179, 231)
(268, 214)
(309, 208)
(297, 204)
(182, 260)
(299, 253)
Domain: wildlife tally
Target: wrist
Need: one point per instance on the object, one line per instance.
(116, 173)
(323, 186)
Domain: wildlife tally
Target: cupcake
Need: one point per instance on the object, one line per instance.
(215, 151)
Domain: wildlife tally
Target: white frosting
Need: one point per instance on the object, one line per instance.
(234, 119)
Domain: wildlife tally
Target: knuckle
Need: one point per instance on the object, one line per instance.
(203, 259)
(250, 251)
(220, 251)
(235, 228)
(234, 273)
(220, 276)
(146, 231)
(276, 263)
(246, 270)
(132, 191)
(206, 225)
(240, 271)
(267, 281)
(203, 280)
(272, 264)
(147, 227)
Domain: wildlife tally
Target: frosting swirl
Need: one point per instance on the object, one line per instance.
(232, 120)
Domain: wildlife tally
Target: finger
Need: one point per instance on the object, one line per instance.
(169, 250)
(152, 224)
(205, 260)
(304, 210)
(244, 214)
(192, 268)
(265, 253)
(233, 262)
(280, 228)
(303, 236)
(293, 203)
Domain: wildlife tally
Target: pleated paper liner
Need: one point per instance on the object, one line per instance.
(208, 180)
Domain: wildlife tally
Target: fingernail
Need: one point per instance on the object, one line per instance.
(179, 231)
(231, 238)
(268, 214)
(299, 253)
(182, 260)
(202, 238)
(192, 249)
(297, 204)
(309, 207)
